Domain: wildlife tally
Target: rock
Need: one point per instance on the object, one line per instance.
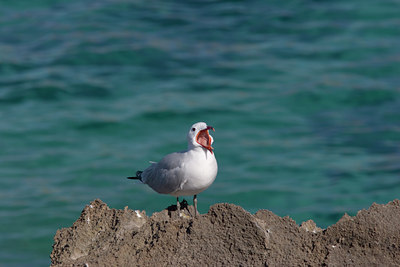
(226, 235)
(310, 226)
(370, 238)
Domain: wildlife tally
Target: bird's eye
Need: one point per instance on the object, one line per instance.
(193, 129)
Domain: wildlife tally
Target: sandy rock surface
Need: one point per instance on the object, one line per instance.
(226, 236)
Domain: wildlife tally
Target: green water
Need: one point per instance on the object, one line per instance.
(304, 97)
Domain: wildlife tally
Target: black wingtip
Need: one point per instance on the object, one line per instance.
(133, 178)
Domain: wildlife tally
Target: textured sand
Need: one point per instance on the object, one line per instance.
(227, 235)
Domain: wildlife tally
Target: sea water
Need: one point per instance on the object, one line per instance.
(304, 97)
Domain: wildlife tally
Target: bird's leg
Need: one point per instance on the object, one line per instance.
(195, 205)
(178, 206)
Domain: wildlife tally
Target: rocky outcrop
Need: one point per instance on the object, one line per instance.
(226, 236)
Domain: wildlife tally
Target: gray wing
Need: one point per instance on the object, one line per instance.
(166, 176)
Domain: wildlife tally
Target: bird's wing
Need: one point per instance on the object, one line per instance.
(166, 176)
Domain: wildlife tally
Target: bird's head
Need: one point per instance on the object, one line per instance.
(198, 136)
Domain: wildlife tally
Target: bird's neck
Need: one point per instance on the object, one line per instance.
(199, 149)
(191, 146)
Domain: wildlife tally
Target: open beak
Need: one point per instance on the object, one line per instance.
(204, 139)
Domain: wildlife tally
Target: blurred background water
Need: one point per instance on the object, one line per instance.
(304, 97)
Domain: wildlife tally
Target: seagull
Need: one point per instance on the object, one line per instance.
(185, 173)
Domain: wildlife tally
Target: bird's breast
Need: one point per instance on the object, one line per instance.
(200, 172)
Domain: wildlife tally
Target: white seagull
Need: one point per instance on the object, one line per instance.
(184, 173)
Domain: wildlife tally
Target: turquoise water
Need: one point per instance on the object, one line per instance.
(304, 97)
